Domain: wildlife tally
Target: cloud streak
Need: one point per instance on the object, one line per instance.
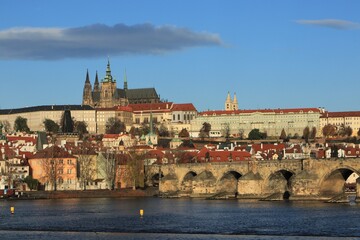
(99, 40)
(331, 23)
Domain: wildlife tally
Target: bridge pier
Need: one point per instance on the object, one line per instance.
(250, 185)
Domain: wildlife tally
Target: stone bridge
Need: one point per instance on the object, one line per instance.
(295, 179)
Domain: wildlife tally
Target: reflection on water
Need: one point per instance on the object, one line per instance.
(177, 219)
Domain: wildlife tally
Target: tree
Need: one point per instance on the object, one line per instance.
(20, 125)
(163, 131)
(328, 130)
(306, 133)
(313, 133)
(66, 122)
(81, 128)
(345, 131)
(108, 165)
(283, 134)
(205, 130)
(184, 133)
(348, 131)
(226, 130)
(135, 131)
(53, 169)
(135, 169)
(145, 129)
(255, 134)
(51, 126)
(31, 182)
(115, 126)
(86, 168)
(6, 125)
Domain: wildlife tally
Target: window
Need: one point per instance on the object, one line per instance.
(178, 117)
(69, 161)
(69, 171)
(61, 161)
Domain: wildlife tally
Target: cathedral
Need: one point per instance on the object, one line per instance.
(105, 94)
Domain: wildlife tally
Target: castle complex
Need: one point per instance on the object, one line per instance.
(106, 94)
(135, 107)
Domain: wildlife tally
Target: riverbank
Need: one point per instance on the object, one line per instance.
(148, 192)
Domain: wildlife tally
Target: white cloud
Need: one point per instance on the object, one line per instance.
(99, 40)
(331, 23)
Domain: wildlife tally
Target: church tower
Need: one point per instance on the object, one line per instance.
(87, 92)
(108, 89)
(235, 105)
(228, 103)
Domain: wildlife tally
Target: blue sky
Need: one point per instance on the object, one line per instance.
(273, 54)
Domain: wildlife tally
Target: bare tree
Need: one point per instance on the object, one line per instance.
(86, 170)
(135, 168)
(226, 130)
(108, 167)
(53, 170)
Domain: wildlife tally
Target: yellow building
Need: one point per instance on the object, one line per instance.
(348, 119)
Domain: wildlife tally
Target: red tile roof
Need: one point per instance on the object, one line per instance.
(53, 152)
(183, 107)
(154, 107)
(341, 114)
(274, 111)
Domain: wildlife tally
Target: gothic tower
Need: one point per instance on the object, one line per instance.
(108, 89)
(87, 94)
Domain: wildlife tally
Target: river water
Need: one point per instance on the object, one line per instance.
(177, 219)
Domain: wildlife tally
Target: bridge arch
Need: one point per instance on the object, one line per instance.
(155, 179)
(335, 181)
(186, 185)
(229, 182)
(204, 183)
(280, 182)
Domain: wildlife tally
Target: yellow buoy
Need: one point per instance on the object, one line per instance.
(12, 210)
(141, 212)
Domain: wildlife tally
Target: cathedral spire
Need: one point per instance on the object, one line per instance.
(96, 84)
(125, 81)
(87, 76)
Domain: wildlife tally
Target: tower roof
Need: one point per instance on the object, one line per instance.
(87, 76)
(235, 99)
(228, 98)
(108, 76)
(96, 79)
